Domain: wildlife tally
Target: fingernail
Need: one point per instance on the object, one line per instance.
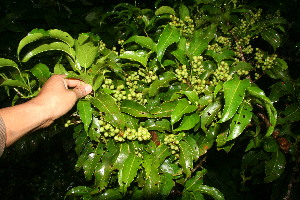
(88, 88)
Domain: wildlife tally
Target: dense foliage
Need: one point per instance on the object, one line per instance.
(174, 87)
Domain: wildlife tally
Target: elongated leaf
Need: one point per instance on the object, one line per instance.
(41, 72)
(165, 10)
(209, 113)
(139, 56)
(240, 121)
(128, 172)
(169, 36)
(105, 103)
(272, 37)
(55, 46)
(152, 185)
(193, 146)
(161, 153)
(90, 165)
(121, 156)
(272, 112)
(182, 108)
(78, 191)
(275, 166)
(86, 54)
(189, 122)
(191, 95)
(134, 109)
(103, 171)
(195, 195)
(234, 93)
(61, 35)
(183, 12)
(194, 182)
(163, 81)
(85, 112)
(186, 158)
(167, 184)
(180, 55)
(201, 40)
(7, 62)
(15, 83)
(110, 194)
(146, 42)
(211, 191)
(158, 125)
(31, 37)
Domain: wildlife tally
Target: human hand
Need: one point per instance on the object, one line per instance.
(59, 95)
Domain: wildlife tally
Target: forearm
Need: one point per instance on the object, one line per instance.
(24, 118)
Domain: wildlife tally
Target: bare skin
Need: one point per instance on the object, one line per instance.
(56, 98)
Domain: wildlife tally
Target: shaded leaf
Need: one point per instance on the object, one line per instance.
(194, 182)
(79, 191)
(41, 72)
(134, 109)
(164, 10)
(275, 166)
(189, 122)
(163, 81)
(85, 112)
(105, 103)
(186, 158)
(211, 191)
(146, 42)
(180, 55)
(209, 113)
(167, 184)
(7, 62)
(272, 37)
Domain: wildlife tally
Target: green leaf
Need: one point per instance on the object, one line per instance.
(183, 11)
(211, 191)
(139, 56)
(128, 172)
(41, 72)
(121, 156)
(186, 158)
(201, 40)
(61, 35)
(191, 95)
(290, 114)
(158, 125)
(90, 165)
(194, 195)
(163, 81)
(161, 153)
(85, 112)
(234, 93)
(7, 62)
(31, 37)
(134, 109)
(240, 121)
(167, 184)
(105, 103)
(183, 107)
(60, 69)
(103, 171)
(79, 191)
(180, 55)
(193, 146)
(110, 194)
(275, 166)
(165, 10)
(196, 181)
(272, 37)
(169, 36)
(209, 113)
(241, 66)
(146, 42)
(56, 46)
(86, 54)
(15, 83)
(189, 122)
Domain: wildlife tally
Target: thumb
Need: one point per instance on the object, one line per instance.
(82, 90)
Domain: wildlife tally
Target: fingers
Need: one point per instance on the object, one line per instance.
(82, 90)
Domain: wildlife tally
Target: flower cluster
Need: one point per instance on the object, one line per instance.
(221, 73)
(186, 26)
(172, 141)
(182, 73)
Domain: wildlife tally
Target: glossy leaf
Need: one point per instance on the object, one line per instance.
(209, 113)
(183, 107)
(189, 122)
(110, 194)
(85, 112)
(121, 156)
(134, 109)
(211, 191)
(180, 55)
(186, 158)
(234, 93)
(146, 42)
(193, 183)
(128, 172)
(55, 46)
(191, 95)
(161, 153)
(105, 103)
(201, 40)
(169, 36)
(275, 166)
(90, 165)
(240, 121)
(78, 191)
(138, 56)
(158, 125)
(61, 35)
(151, 188)
(15, 83)
(272, 37)
(103, 171)
(163, 81)
(194, 195)
(167, 184)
